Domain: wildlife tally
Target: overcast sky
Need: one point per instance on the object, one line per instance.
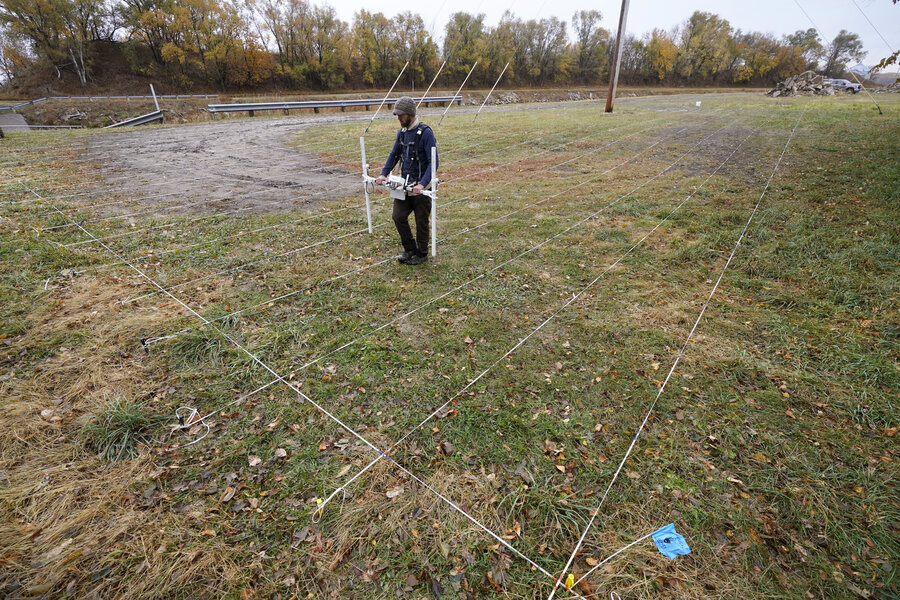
(768, 16)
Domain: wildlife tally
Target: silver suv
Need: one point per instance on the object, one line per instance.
(843, 84)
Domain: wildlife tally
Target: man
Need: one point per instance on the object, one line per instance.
(412, 150)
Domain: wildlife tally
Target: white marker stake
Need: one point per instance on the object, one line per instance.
(365, 167)
(434, 181)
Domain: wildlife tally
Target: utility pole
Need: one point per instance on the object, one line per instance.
(614, 74)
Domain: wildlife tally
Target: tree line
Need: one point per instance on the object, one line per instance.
(294, 44)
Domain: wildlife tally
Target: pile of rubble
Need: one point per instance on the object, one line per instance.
(501, 98)
(894, 88)
(807, 83)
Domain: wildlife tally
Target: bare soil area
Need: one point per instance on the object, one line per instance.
(221, 166)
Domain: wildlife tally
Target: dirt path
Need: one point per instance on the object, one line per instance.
(219, 166)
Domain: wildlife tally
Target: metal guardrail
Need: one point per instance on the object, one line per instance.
(168, 97)
(156, 115)
(22, 105)
(251, 107)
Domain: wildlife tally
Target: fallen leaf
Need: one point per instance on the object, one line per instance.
(280, 452)
(393, 493)
(586, 588)
(41, 588)
(343, 471)
(58, 550)
(561, 468)
(229, 494)
(468, 340)
(254, 460)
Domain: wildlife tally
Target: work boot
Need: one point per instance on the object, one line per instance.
(406, 256)
(417, 259)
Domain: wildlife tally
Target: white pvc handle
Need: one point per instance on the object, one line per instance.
(434, 181)
(366, 178)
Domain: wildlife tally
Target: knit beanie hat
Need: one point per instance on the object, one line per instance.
(405, 106)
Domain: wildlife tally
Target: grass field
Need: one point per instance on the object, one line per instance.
(504, 381)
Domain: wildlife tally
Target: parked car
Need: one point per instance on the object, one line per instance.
(843, 84)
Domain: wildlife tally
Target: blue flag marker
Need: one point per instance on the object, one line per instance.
(669, 542)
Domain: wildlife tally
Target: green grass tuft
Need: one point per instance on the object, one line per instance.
(117, 430)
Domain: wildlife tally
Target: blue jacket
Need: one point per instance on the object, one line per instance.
(412, 149)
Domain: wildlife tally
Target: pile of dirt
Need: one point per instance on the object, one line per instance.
(808, 83)
(894, 88)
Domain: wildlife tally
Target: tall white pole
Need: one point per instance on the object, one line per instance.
(434, 181)
(365, 168)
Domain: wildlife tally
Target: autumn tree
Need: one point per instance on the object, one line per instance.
(149, 22)
(465, 39)
(501, 47)
(661, 52)
(330, 39)
(374, 45)
(413, 43)
(14, 56)
(843, 48)
(40, 22)
(705, 49)
(808, 44)
(590, 45)
(539, 55)
(59, 31)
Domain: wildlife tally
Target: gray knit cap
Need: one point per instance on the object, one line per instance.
(405, 106)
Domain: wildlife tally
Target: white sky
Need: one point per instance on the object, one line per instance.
(779, 17)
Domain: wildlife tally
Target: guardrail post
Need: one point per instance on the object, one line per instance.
(155, 101)
(251, 112)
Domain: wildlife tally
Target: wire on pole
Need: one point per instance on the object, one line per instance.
(422, 99)
(491, 92)
(449, 104)
(386, 96)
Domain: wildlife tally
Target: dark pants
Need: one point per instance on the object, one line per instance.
(421, 205)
